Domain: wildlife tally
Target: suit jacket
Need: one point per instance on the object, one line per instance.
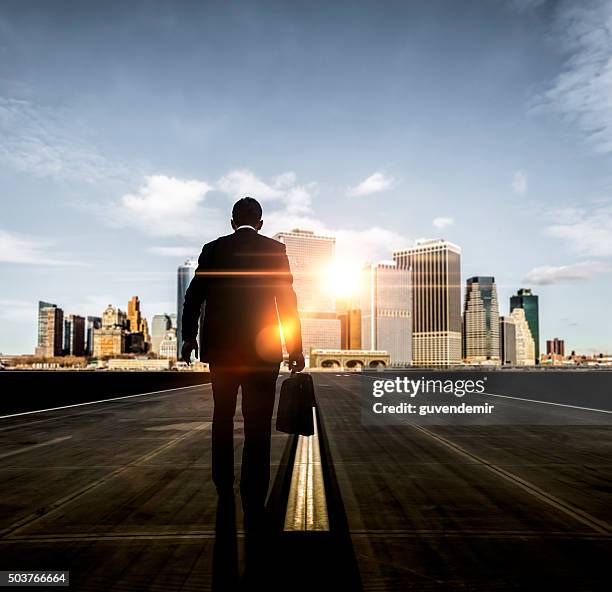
(245, 284)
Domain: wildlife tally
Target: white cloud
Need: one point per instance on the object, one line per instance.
(165, 206)
(373, 184)
(47, 142)
(282, 189)
(442, 222)
(354, 245)
(585, 231)
(16, 248)
(519, 182)
(176, 252)
(581, 92)
(565, 274)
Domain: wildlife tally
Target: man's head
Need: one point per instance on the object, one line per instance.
(247, 211)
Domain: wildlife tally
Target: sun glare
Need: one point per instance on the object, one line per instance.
(343, 278)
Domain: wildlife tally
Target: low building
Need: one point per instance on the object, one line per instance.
(138, 364)
(342, 359)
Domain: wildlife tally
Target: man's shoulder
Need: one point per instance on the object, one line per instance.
(272, 243)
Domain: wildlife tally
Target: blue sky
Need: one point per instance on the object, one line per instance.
(128, 129)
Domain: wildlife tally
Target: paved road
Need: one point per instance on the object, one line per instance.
(472, 507)
(119, 493)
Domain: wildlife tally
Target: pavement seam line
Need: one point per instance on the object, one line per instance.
(110, 400)
(33, 517)
(600, 526)
(581, 516)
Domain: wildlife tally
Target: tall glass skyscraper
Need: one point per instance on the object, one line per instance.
(310, 256)
(436, 301)
(386, 312)
(529, 303)
(185, 274)
(50, 330)
(481, 320)
(92, 324)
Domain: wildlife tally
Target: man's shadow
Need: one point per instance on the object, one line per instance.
(258, 546)
(225, 574)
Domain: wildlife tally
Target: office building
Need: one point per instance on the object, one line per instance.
(137, 324)
(507, 341)
(167, 346)
(111, 339)
(50, 330)
(320, 330)
(74, 335)
(525, 345)
(161, 324)
(185, 274)
(386, 312)
(310, 257)
(528, 301)
(480, 321)
(92, 323)
(555, 347)
(350, 329)
(436, 301)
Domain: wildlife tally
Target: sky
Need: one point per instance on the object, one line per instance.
(128, 129)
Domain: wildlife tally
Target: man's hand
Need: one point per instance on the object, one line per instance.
(189, 346)
(296, 362)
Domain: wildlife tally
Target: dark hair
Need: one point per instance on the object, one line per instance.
(246, 211)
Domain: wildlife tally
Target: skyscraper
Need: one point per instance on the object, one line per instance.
(350, 328)
(161, 324)
(111, 338)
(386, 312)
(92, 323)
(74, 335)
(185, 274)
(507, 341)
(529, 303)
(436, 301)
(555, 347)
(133, 314)
(310, 257)
(50, 330)
(480, 321)
(525, 346)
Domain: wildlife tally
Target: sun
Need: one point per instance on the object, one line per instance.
(343, 279)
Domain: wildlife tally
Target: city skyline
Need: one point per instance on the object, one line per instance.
(121, 153)
(410, 309)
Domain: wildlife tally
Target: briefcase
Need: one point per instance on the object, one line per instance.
(294, 414)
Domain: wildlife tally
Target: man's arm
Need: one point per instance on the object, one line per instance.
(286, 302)
(194, 298)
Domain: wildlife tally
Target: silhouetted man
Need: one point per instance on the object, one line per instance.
(245, 283)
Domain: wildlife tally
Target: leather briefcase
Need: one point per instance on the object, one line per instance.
(294, 414)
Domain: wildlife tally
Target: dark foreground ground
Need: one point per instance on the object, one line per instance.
(120, 494)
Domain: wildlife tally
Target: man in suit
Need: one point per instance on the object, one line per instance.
(245, 284)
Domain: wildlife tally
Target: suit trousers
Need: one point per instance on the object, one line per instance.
(258, 386)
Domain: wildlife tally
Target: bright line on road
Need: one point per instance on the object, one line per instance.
(33, 446)
(102, 401)
(307, 505)
(547, 403)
